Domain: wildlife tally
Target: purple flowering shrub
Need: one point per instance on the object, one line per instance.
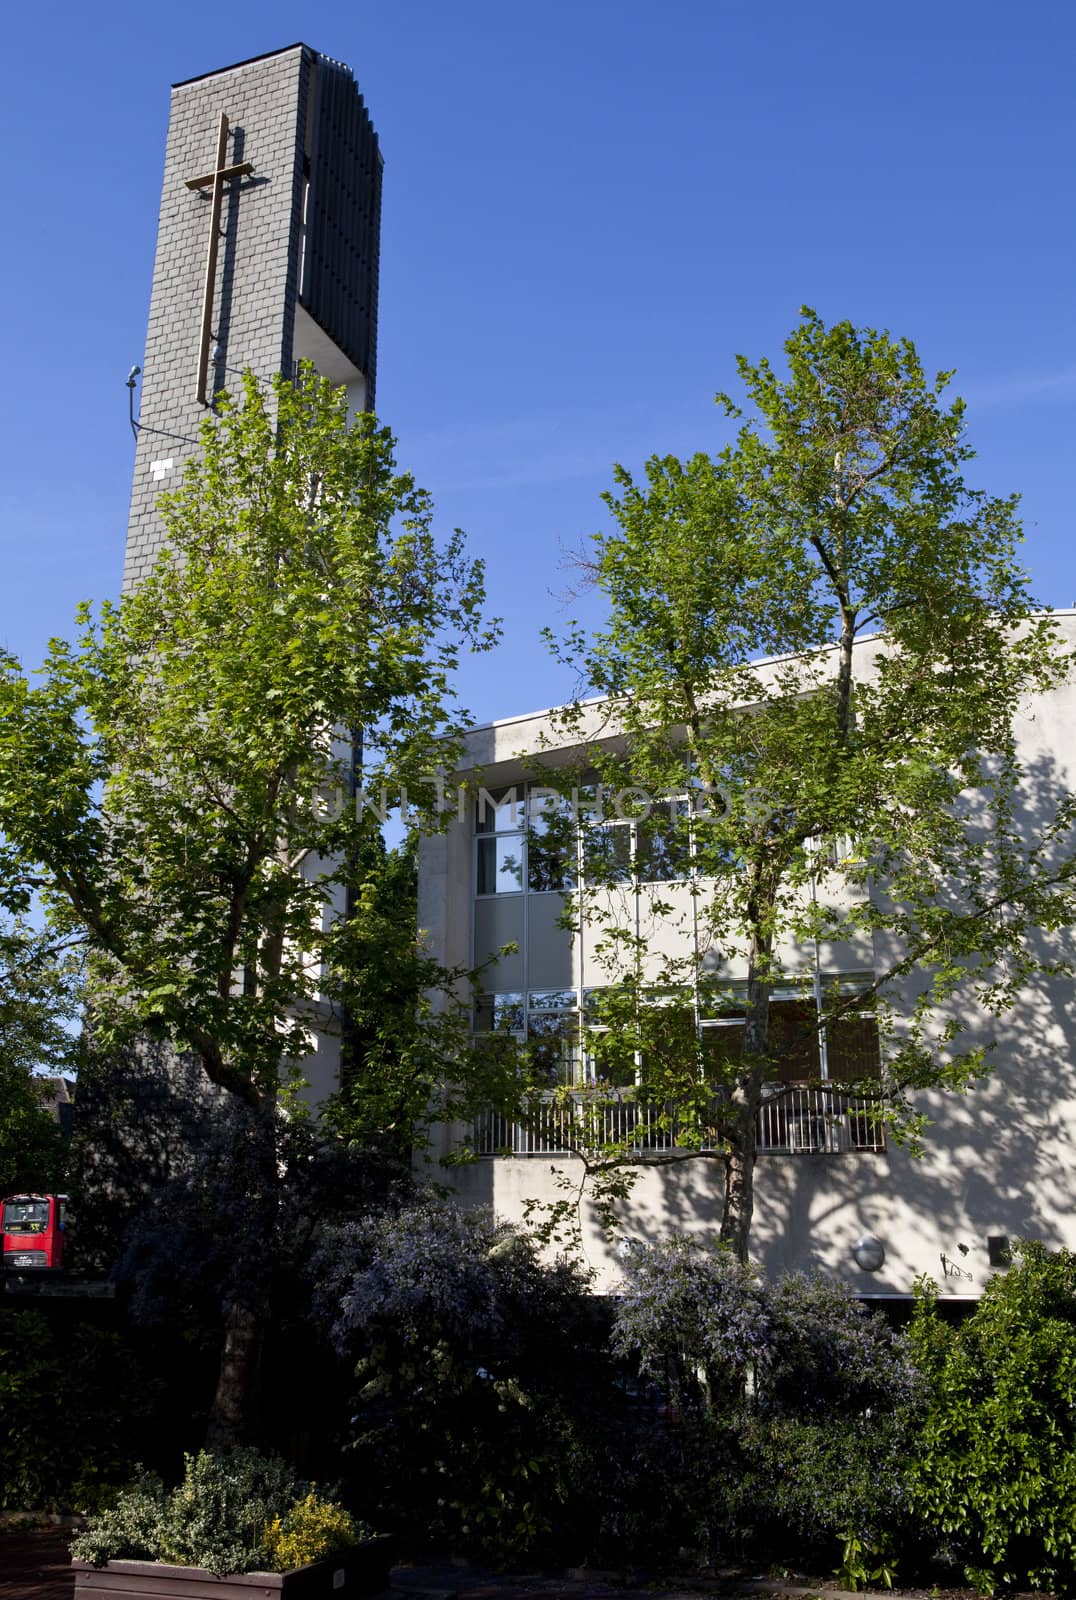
(807, 1400)
(693, 1316)
(480, 1375)
(422, 1271)
(825, 1352)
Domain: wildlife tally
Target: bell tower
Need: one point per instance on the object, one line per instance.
(267, 254)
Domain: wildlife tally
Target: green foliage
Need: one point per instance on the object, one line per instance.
(33, 1151)
(179, 780)
(310, 1531)
(995, 1473)
(803, 1484)
(838, 511)
(39, 993)
(174, 777)
(70, 1411)
(861, 1566)
(237, 1511)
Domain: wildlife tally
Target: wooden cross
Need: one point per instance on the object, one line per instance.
(214, 181)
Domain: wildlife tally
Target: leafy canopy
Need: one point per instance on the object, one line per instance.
(179, 778)
(820, 637)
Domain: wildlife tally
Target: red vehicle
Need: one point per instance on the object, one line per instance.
(32, 1226)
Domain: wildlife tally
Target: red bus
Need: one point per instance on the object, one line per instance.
(32, 1226)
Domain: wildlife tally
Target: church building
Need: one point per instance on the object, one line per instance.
(267, 254)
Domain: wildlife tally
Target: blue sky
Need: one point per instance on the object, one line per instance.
(589, 209)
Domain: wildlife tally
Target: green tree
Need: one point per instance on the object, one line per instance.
(39, 1002)
(180, 780)
(839, 510)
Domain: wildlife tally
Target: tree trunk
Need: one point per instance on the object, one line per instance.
(245, 1304)
(739, 1203)
(229, 1415)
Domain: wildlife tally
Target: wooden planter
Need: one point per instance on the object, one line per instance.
(363, 1570)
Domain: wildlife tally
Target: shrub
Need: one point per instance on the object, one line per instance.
(804, 1483)
(995, 1473)
(825, 1352)
(816, 1447)
(310, 1531)
(69, 1414)
(237, 1511)
(690, 1309)
(481, 1382)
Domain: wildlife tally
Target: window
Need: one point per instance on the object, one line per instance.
(499, 1013)
(551, 843)
(531, 839)
(607, 854)
(663, 846)
(25, 1216)
(500, 864)
(547, 1019)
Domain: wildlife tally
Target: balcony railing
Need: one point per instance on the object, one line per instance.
(794, 1119)
(799, 1119)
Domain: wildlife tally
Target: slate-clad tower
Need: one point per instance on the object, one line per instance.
(280, 153)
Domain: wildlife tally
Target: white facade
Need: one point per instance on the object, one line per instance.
(1000, 1161)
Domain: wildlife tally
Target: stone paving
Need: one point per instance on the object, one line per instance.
(34, 1566)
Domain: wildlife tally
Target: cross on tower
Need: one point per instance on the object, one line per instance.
(214, 181)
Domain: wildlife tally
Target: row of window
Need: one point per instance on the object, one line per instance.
(554, 854)
(570, 1043)
(540, 842)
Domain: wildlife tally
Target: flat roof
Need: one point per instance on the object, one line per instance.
(762, 661)
(265, 56)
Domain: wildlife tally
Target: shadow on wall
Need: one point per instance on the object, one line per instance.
(997, 1160)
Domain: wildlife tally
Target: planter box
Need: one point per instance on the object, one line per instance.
(363, 1570)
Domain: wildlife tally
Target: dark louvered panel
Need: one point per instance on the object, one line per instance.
(343, 227)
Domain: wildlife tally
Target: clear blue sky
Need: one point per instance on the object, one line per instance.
(590, 207)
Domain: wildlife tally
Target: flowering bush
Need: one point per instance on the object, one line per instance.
(310, 1531)
(825, 1352)
(238, 1511)
(480, 1374)
(693, 1315)
(817, 1443)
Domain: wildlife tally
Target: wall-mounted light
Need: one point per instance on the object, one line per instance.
(868, 1253)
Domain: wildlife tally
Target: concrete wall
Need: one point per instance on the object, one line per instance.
(998, 1160)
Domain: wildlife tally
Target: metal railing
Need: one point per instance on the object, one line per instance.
(556, 1126)
(793, 1119)
(797, 1119)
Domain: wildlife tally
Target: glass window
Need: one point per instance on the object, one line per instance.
(607, 853)
(714, 855)
(852, 1048)
(25, 1216)
(663, 850)
(550, 863)
(552, 1000)
(499, 811)
(500, 865)
(794, 1040)
(547, 809)
(728, 1001)
(554, 1040)
(722, 1049)
(498, 1013)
